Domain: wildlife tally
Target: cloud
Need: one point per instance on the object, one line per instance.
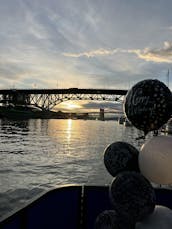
(160, 55)
(80, 44)
(93, 106)
(98, 52)
(98, 105)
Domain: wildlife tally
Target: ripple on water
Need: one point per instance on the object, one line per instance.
(37, 155)
(13, 200)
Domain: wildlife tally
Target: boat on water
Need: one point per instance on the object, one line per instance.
(124, 121)
(127, 122)
(72, 206)
(121, 120)
(168, 127)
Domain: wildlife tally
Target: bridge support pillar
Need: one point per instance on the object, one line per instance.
(101, 116)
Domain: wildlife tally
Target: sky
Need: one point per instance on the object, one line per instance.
(109, 44)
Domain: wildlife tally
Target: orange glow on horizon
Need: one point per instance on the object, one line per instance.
(69, 106)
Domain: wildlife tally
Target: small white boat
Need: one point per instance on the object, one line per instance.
(121, 120)
(168, 128)
(127, 122)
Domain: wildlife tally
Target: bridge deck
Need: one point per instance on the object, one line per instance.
(65, 91)
(48, 98)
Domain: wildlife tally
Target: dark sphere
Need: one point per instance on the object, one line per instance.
(131, 193)
(119, 157)
(148, 105)
(110, 219)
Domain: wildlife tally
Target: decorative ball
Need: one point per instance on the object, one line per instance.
(110, 219)
(119, 157)
(161, 218)
(155, 160)
(148, 105)
(131, 193)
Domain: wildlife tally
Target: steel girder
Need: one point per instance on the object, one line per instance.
(49, 101)
(46, 99)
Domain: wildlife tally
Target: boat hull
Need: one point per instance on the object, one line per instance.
(69, 207)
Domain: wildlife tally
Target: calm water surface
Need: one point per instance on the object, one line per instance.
(37, 155)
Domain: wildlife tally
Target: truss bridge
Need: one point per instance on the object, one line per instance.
(47, 99)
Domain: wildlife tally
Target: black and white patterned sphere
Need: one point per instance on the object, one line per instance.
(110, 219)
(131, 193)
(121, 156)
(148, 105)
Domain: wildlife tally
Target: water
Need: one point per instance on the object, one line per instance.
(38, 155)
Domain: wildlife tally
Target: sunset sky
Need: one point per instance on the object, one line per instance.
(84, 43)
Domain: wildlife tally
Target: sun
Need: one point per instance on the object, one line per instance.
(72, 106)
(69, 106)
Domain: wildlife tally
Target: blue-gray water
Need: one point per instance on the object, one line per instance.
(37, 155)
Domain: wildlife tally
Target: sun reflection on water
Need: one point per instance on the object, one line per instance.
(69, 128)
(65, 135)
